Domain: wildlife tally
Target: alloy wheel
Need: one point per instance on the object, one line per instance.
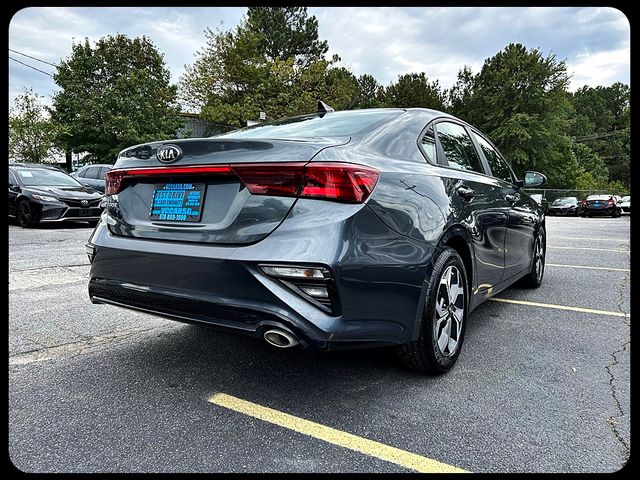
(539, 256)
(24, 214)
(449, 310)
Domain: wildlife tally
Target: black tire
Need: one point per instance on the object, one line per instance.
(533, 279)
(424, 354)
(23, 214)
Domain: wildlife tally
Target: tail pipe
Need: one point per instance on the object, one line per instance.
(280, 338)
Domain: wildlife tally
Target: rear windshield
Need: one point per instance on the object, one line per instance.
(46, 178)
(563, 200)
(598, 197)
(332, 124)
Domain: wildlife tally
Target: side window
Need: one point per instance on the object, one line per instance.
(12, 179)
(499, 167)
(81, 172)
(428, 144)
(92, 172)
(103, 172)
(458, 147)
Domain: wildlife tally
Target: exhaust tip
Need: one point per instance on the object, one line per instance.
(280, 338)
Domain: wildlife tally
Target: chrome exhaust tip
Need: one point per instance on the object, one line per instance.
(280, 338)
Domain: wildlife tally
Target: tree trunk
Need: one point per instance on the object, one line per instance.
(68, 164)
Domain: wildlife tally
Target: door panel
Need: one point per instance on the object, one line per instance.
(485, 217)
(520, 232)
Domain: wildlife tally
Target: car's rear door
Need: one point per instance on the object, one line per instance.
(476, 199)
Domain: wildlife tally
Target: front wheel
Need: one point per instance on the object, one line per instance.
(443, 319)
(24, 216)
(534, 278)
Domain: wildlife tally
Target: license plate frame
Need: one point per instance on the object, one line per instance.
(177, 202)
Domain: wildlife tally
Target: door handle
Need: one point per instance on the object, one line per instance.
(465, 192)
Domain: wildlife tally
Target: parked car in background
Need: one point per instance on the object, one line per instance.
(625, 204)
(565, 206)
(92, 175)
(334, 230)
(39, 194)
(600, 205)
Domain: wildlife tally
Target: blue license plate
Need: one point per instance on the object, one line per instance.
(177, 202)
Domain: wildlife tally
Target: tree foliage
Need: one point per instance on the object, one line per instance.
(113, 95)
(415, 90)
(286, 32)
(32, 134)
(601, 124)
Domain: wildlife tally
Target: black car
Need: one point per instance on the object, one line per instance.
(340, 229)
(92, 175)
(565, 206)
(600, 205)
(39, 194)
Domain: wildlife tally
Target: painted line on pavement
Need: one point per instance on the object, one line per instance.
(594, 239)
(619, 250)
(561, 307)
(588, 267)
(336, 437)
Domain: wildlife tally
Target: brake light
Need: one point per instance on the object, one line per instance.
(342, 182)
(610, 202)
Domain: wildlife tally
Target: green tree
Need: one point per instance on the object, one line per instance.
(32, 135)
(602, 123)
(286, 32)
(113, 95)
(370, 93)
(519, 99)
(232, 80)
(415, 90)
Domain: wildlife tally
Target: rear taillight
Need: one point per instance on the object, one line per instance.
(610, 202)
(342, 182)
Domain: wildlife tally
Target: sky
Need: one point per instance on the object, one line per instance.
(384, 42)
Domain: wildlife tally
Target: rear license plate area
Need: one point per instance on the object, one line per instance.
(177, 202)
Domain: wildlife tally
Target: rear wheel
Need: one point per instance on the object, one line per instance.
(534, 278)
(443, 319)
(24, 214)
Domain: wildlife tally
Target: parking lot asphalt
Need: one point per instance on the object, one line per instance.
(539, 388)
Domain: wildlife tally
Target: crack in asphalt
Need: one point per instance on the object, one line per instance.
(75, 348)
(612, 421)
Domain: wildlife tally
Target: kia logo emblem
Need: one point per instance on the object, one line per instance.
(84, 203)
(168, 153)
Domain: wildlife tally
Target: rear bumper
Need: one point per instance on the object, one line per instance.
(222, 286)
(599, 211)
(563, 211)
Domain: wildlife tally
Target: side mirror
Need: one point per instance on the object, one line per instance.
(533, 179)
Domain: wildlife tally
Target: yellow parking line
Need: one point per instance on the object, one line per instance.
(586, 248)
(595, 239)
(561, 307)
(588, 267)
(336, 437)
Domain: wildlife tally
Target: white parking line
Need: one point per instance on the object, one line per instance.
(595, 239)
(619, 250)
(588, 267)
(561, 307)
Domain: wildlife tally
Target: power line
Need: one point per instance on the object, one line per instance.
(600, 135)
(34, 68)
(34, 58)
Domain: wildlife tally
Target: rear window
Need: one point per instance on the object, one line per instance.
(565, 200)
(598, 197)
(332, 124)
